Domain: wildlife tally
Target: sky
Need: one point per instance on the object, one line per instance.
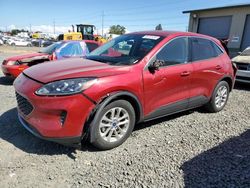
(134, 15)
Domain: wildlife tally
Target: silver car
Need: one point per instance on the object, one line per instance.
(242, 62)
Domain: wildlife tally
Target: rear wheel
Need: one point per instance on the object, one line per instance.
(114, 125)
(13, 44)
(219, 98)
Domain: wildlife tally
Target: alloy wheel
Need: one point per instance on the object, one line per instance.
(221, 96)
(114, 124)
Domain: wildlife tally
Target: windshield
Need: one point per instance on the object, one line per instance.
(51, 48)
(125, 50)
(246, 52)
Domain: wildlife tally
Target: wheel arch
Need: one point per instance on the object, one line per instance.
(107, 99)
(229, 80)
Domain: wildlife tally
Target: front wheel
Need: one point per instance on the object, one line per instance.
(219, 98)
(114, 125)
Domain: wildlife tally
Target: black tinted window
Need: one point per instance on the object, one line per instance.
(91, 46)
(175, 52)
(202, 49)
(218, 51)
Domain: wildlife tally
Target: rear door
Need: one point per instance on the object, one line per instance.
(207, 69)
(166, 90)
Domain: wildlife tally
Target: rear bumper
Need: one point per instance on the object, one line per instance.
(243, 76)
(67, 141)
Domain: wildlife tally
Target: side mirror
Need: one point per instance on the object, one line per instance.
(155, 66)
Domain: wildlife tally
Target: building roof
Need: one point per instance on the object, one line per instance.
(216, 8)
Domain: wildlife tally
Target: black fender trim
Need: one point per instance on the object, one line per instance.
(107, 99)
(231, 79)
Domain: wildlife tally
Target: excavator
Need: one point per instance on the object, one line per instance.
(83, 32)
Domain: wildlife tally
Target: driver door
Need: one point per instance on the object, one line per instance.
(166, 90)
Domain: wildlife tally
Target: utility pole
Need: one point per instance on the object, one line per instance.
(30, 28)
(54, 24)
(102, 22)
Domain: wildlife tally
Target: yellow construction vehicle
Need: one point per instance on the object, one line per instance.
(36, 35)
(83, 32)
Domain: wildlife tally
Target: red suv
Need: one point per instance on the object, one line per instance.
(133, 78)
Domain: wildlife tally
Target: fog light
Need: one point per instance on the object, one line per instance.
(63, 117)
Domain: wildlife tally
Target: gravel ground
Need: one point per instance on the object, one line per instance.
(191, 149)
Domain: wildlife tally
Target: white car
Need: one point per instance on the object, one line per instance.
(1, 42)
(19, 42)
(242, 62)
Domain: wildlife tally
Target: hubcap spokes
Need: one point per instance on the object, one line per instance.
(221, 97)
(114, 124)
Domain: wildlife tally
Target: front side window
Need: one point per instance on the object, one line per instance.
(202, 49)
(50, 49)
(72, 49)
(175, 52)
(126, 49)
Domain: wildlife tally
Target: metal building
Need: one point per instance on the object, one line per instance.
(228, 22)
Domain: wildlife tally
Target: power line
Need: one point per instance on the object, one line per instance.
(102, 21)
(54, 24)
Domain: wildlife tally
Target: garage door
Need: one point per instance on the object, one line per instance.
(246, 36)
(218, 27)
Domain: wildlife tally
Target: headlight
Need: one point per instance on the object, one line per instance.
(12, 63)
(66, 87)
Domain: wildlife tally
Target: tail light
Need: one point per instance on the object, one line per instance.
(234, 67)
(53, 56)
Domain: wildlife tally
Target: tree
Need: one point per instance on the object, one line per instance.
(158, 27)
(117, 29)
(16, 31)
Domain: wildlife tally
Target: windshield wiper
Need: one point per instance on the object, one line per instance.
(97, 59)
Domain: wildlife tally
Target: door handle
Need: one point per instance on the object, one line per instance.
(218, 67)
(185, 73)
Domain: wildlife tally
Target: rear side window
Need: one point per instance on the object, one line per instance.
(203, 49)
(175, 52)
(218, 51)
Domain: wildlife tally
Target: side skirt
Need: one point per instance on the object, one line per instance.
(177, 107)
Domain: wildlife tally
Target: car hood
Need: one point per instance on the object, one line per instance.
(26, 56)
(241, 59)
(72, 68)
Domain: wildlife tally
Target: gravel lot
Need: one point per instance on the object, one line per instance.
(191, 149)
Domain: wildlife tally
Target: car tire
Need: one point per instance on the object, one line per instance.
(13, 44)
(219, 98)
(113, 125)
(29, 45)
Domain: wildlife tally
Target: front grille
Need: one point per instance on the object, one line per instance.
(243, 78)
(242, 66)
(24, 105)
